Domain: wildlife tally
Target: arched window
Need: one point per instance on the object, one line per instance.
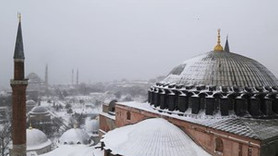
(128, 115)
(219, 145)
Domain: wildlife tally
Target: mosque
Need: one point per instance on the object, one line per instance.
(220, 101)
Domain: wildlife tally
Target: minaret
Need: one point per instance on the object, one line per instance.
(227, 47)
(218, 46)
(77, 77)
(72, 76)
(46, 75)
(19, 84)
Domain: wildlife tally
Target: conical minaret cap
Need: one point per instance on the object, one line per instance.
(19, 50)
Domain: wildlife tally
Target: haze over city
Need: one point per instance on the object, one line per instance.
(111, 40)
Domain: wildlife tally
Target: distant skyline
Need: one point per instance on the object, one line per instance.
(133, 39)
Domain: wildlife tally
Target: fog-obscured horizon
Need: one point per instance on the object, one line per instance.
(110, 40)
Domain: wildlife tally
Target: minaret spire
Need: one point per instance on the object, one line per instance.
(77, 77)
(46, 75)
(19, 52)
(19, 84)
(227, 47)
(218, 46)
(72, 76)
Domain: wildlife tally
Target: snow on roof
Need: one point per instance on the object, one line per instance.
(108, 115)
(36, 139)
(39, 110)
(75, 136)
(155, 137)
(261, 129)
(73, 150)
(30, 102)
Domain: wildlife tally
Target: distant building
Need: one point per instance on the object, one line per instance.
(36, 87)
(226, 103)
(39, 117)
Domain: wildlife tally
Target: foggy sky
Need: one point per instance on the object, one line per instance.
(133, 39)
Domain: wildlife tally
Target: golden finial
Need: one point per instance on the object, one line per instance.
(19, 16)
(218, 47)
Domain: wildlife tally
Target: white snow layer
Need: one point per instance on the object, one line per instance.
(74, 150)
(153, 137)
(36, 139)
(75, 136)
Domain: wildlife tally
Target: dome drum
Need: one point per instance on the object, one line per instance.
(248, 102)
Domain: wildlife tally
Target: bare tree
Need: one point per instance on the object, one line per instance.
(5, 138)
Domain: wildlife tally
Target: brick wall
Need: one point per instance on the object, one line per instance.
(234, 145)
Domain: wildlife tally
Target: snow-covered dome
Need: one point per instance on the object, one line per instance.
(75, 136)
(34, 78)
(36, 139)
(92, 126)
(39, 110)
(153, 137)
(221, 69)
(30, 102)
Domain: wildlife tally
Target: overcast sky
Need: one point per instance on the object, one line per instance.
(133, 39)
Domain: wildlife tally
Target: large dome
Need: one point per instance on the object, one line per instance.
(218, 82)
(221, 69)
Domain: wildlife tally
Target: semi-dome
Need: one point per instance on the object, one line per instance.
(75, 136)
(221, 69)
(36, 139)
(151, 137)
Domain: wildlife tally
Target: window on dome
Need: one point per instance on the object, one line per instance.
(219, 145)
(128, 115)
(78, 142)
(177, 70)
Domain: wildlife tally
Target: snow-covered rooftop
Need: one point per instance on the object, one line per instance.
(153, 137)
(74, 150)
(91, 126)
(36, 139)
(75, 136)
(261, 129)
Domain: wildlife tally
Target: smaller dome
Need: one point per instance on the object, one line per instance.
(111, 106)
(39, 110)
(36, 139)
(30, 102)
(75, 136)
(92, 126)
